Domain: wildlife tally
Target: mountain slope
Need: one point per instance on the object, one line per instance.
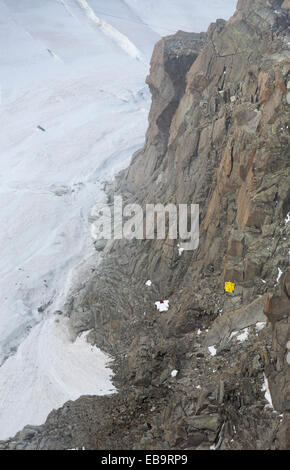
(73, 110)
(213, 371)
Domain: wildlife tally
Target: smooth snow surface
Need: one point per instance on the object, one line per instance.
(73, 109)
(48, 370)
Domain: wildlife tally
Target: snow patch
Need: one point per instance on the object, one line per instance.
(212, 350)
(148, 283)
(243, 336)
(180, 250)
(233, 334)
(265, 388)
(48, 370)
(174, 373)
(260, 325)
(280, 272)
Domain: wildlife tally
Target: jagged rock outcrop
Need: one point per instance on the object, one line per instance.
(219, 137)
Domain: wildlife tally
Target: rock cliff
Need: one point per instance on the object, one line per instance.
(218, 136)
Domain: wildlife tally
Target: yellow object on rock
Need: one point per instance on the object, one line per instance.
(229, 287)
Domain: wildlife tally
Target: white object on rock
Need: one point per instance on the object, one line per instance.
(162, 305)
(148, 283)
(174, 373)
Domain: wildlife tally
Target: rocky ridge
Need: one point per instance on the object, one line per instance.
(218, 136)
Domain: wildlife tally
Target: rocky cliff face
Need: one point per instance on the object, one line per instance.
(218, 136)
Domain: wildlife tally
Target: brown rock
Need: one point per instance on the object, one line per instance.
(277, 302)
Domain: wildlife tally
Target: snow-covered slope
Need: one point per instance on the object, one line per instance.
(73, 110)
(47, 369)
